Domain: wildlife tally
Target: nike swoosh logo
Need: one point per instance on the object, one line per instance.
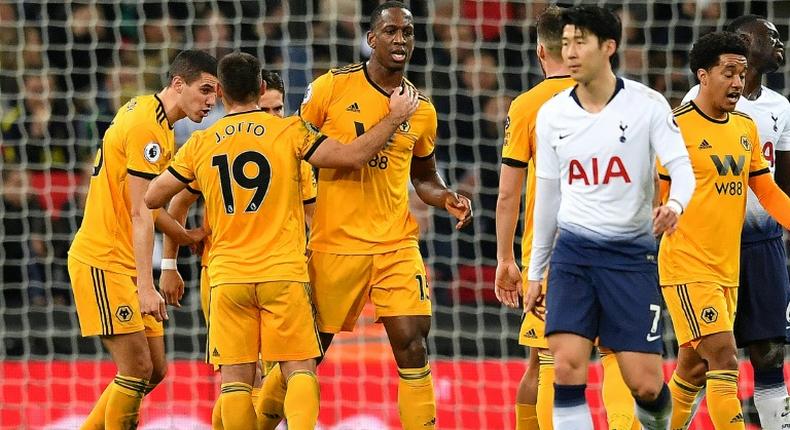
(563, 137)
(784, 414)
(653, 338)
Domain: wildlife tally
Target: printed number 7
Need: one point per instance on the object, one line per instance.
(657, 310)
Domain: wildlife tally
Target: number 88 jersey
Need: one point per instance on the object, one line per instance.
(247, 165)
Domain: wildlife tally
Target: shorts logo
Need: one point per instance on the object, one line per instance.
(152, 152)
(530, 334)
(215, 353)
(124, 313)
(709, 315)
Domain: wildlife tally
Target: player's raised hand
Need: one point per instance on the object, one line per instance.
(196, 235)
(460, 207)
(533, 299)
(152, 303)
(403, 103)
(665, 220)
(507, 284)
(172, 287)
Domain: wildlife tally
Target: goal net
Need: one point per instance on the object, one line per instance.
(67, 66)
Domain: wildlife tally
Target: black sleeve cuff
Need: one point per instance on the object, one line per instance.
(425, 157)
(664, 177)
(193, 191)
(308, 201)
(144, 175)
(759, 172)
(514, 163)
(178, 175)
(312, 149)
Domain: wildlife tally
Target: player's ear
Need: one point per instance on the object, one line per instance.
(371, 37)
(702, 76)
(541, 51)
(263, 88)
(177, 83)
(219, 90)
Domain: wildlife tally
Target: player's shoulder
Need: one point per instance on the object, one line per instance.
(683, 109)
(346, 70)
(774, 98)
(426, 106)
(639, 90)
(142, 112)
(530, 101)
(742, 117)
(557, 104)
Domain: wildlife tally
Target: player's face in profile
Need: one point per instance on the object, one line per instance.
(583, 53)
(766, 49)
(392, 40)
(271, 102)
(197, 99)
(725, 81)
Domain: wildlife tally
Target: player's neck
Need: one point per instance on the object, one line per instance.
(232, 108)
(596, 94)
(169, 98)
(385, 78)
(752, 87)
(708, 108)
(552, 69)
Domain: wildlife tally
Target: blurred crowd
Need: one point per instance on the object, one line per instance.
(66, 67)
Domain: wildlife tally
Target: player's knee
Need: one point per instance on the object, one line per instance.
(411, 354)
(570, 370)
(158, 374)
(722, 357)
(139, 367)
(646, 389)
(767, 354)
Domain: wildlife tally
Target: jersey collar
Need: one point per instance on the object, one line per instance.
(619, 85)
(702, 114)
(161, 115)
(370, 81)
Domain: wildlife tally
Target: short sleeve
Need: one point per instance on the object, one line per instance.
(663, 174)
(665, 137)
(519, 137)
(304, 137)
(315, 103)
(194, 188)
(307, 182)
(426, 142)
(144, 152)
(182, 166)
(547, 165)
(758, 165)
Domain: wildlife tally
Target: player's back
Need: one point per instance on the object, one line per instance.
(365, 211)
(139, 142)
(247, 167)
(519, 148)
(724, 155)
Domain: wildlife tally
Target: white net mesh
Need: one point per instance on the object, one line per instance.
(67, 66)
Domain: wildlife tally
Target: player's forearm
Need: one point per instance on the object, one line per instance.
(507, 206)
(431, 190)
(772, 198)
(143, 243)
(309, 210)
(175, 234)
(547, 205)
(364, 147)
(683, 181)
(177, 210)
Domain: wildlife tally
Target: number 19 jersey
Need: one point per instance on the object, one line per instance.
(247, 166)
(365, 211)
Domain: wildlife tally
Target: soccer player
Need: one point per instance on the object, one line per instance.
(170, 283)
(763, 289)
(596, 148)
(363, 239)
(517, 155)
(110, 258)
(260, 292)
(699, 263)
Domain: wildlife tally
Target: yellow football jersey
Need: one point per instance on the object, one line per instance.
(724, 155)
(519, 148)
(247, 165)
(139, 142)
(365, 211)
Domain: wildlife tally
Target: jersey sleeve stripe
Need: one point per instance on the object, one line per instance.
(193, 191)
(514, 163)
(664, 177)
(178, 175)
(308, 201)
(144, 175)
(741, 114)
(759, 172)
(425, 157)
(312, 149)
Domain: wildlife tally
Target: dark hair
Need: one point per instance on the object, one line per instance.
(549, 29)
(599, 21)
(240, 77)
(706, 51)
(273, 81)
(375, 16)
(740, 22)
(190, 64)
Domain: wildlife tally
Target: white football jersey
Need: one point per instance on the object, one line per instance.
(606, 161)
(771, 113)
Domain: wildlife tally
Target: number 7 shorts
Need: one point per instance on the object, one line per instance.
(394, 281)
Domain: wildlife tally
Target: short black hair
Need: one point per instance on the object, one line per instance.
(740, 22)
(190, 64)
(273, 81)
(706, 51)
(549, 29)
(599, 21)
(240, 77)
(375, 16)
